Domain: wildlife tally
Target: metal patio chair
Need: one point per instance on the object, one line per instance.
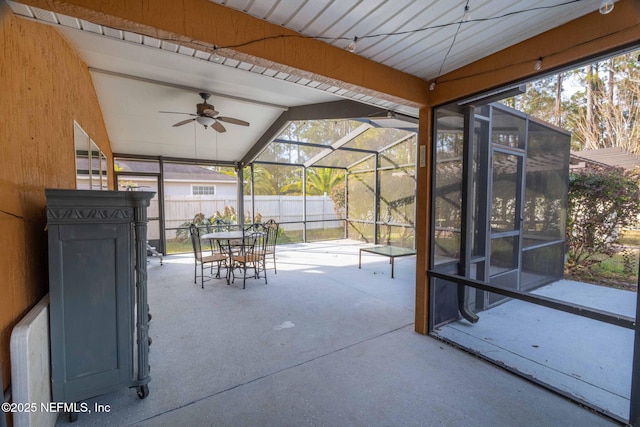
(245, 258)
(216, 257)
(271, 228)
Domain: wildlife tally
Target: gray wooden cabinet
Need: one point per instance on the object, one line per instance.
(98, 292)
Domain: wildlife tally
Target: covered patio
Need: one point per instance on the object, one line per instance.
(336, 348)
(324, 343)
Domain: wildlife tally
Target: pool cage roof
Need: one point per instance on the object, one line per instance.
(328, 137)
(353, 143)
(366, 132)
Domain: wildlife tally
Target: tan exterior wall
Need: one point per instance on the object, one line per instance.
(44, 87)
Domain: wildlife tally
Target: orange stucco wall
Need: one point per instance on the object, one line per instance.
(44, 87)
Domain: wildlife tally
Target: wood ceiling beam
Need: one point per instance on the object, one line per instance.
(201, 24)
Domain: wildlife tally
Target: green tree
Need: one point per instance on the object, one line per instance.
(598, 103)
(319, 182)
(323, 180)
(540, 99)
(270, 179)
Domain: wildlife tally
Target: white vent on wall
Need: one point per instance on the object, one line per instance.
(30, 366)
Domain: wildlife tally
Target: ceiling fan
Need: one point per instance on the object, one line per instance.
(207, 116)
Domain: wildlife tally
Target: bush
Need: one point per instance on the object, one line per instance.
(600, 204)
(219, 221)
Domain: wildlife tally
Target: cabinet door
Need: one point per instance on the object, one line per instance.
(91, 309)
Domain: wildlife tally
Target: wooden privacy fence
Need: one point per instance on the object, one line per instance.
(179, 209)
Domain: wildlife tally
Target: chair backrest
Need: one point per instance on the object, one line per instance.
(239, 247)
(261, 235)
(271, 228)
(195, 241)
(251, 243)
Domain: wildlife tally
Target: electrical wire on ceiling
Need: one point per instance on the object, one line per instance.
(352, 47)
(539, 59)
(34, 220)
(465, 19)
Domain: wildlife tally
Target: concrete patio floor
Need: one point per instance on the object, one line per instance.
(589, 361)
(323, 344)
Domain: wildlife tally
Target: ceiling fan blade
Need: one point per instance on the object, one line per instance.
(217, 126)
(210, 112)
(177, 112)
(184, 122)
(233, 121)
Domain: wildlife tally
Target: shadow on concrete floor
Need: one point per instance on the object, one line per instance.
(324, 343)
(587, 360)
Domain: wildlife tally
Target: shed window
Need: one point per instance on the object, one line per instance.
(203, 190)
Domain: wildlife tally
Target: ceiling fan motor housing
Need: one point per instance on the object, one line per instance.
(202, 107)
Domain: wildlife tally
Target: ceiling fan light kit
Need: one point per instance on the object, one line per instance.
(205, 121)
(207, 116)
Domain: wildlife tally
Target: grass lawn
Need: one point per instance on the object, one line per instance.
(619, 271)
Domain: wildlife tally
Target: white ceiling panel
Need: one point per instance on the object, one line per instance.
(423, 32)
(158, 64)
(134, 82)
(280, 15)
(260, 9)
(137, 76)
(321, 24)
(131, 110)
(304, 16)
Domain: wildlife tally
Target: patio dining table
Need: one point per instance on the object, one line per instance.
(237, 236)
(235, 245)
(225, 235)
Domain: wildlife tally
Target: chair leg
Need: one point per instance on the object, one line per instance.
(265, 270)
(274, 263)
(195, 272)
(202, 275)
(244, 276)
(262, 262)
